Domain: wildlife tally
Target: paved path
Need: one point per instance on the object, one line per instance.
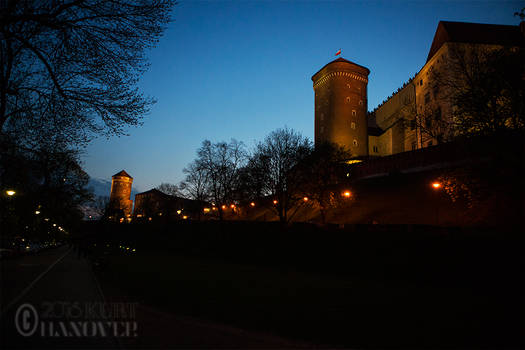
(58, 285)
(61, 287)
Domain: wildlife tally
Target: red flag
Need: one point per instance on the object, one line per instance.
(338, 52)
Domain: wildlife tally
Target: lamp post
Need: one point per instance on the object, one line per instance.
(436, 186)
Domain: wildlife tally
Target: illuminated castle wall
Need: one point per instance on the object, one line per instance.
(119, 200)
(413, 116)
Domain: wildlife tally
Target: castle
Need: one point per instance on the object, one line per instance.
(399, 124)
(414, 116)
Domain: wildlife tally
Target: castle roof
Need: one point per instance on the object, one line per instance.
(475, 33)
(340, 59)
(123, 174)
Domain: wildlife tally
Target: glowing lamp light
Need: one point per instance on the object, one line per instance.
(305, 199)
(206, 210)
(347, 194)
(275, 201)
(179, 211)
(223, 206)
(436, 185)
(185, 217)
(252, 204)
(54, 225)
(10, 193)
(37, 212)
(232, 206)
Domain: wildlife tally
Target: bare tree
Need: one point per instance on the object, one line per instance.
(167, 188)
(195, 185)
(324, 171)
(485, 87)
(69, 68)
(221, 163)
(279, 154)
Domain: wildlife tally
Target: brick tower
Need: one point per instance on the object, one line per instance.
(341, 105)
(120, 203)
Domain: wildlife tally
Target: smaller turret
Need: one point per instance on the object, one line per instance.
(120, 204)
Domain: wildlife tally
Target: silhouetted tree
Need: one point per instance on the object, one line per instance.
(324, 172)
(49, 180)
(195, 185)
(220, 163)
(171, 189)
(69, 68)
(485, 88)
(276, 159)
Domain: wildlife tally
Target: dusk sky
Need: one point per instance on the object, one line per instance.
(241, 69)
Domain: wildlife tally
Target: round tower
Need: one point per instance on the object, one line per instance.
(341, 105)
(120, 193)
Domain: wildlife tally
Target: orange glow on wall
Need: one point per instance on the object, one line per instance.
(347, 194)
(436, 185)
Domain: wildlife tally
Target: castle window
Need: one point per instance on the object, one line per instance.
(352, 125)
(427, 97)
(348, 99)
(376, 150)
(355, 142)
(421, 82)
(360, 102)
(348, 86)
(353, 112)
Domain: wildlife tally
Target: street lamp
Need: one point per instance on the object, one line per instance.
(347, 194)
(305, 199)
(436, 186)
(10, 193)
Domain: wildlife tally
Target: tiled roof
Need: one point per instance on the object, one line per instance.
(122, 173)
(475, 33)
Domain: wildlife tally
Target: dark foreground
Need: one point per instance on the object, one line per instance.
(250, 285)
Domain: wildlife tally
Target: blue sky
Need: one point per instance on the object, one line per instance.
(240, 69)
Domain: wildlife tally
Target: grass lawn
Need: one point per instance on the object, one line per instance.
(335, 309)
